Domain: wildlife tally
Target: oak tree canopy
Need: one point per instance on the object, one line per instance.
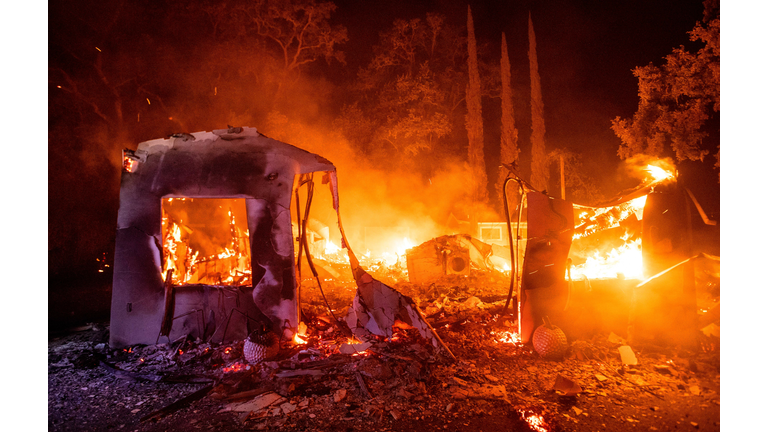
(676, 99)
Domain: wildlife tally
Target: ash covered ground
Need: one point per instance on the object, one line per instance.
(401, 384)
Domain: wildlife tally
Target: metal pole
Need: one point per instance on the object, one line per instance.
(562, 177)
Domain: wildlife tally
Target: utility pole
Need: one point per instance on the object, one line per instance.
(562, 177)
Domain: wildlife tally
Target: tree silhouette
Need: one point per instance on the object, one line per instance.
(102, 97)
(539, 167)
(580, 186)
(474, 121)
(509, 147)
(411, 95)
(298, 29)
(410, 91)
(676, 99)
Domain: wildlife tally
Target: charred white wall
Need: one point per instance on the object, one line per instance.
(234, 163)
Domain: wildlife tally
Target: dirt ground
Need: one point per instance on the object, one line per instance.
(402, 384)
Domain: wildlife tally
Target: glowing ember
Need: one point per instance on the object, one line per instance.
(299, 339)
(236, 367)
(536, 422)
(227, 350)
(129, 164)
(510, 337)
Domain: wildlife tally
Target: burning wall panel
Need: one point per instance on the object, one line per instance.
(667, 240)
(617, 245)
(233, 163)
(544, 288)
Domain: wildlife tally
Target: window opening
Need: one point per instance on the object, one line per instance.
(205, 241)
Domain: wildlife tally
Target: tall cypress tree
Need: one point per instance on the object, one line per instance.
(474, 119)
(539, 172)
(509, 148)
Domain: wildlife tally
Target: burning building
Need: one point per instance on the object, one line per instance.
(175, 293)
(206, 246)
(590, 267)
(213, 278)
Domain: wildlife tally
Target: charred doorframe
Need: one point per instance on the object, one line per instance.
(233, 163)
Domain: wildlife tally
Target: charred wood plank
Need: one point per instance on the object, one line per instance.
(133, 376)
(320, 364)
(298, 372)
(363, 387)
(188, 379)
(179, 404)
(170, 305)
(246, 394)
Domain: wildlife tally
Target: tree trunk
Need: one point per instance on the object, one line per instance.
(474, 119)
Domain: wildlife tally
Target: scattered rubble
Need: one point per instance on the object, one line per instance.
(396, 382)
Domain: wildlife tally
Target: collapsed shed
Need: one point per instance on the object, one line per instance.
(148, 302)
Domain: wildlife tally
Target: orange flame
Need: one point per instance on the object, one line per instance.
(230, 265)
(625, 260)
(404, 245)
(331, 248)
(605, 218)
(401, 247)
(130, 164)
(658, 174)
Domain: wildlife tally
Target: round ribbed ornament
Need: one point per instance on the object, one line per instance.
(260, 346)
(549, 341)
